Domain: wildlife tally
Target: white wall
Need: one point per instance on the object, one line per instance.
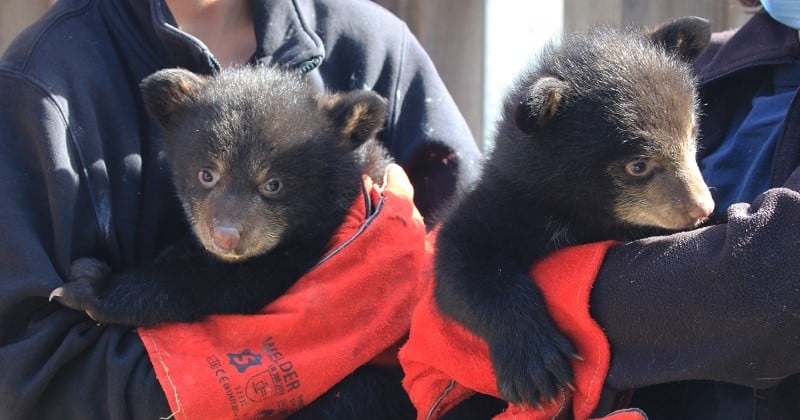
(515, 31)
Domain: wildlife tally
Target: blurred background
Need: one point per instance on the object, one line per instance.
(480, 45)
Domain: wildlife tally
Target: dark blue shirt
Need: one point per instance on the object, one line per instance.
(740, 169)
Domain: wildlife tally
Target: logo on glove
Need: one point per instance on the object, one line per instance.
(242, 361)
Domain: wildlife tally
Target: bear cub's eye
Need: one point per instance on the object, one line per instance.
(639, 167)
(272, 186)
(208, 177)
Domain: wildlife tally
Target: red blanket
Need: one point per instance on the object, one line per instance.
(342, 314)
(445, 363)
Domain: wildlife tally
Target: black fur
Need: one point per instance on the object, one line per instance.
(250, 128)
(266, 169)
(590, 108)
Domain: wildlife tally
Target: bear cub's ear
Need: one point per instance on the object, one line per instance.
(359, 114)
(686, 37)
(541, 104)
(164, 90)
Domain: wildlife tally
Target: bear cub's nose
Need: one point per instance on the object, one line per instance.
(701, 209)
(226, 238)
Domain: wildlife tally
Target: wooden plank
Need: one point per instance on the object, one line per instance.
(724, 14)
(585, 13)
(16, 15)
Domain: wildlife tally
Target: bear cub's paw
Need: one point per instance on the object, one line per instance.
(88, 278)
(533, 364)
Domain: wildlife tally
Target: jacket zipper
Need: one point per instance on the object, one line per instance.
(309, 65)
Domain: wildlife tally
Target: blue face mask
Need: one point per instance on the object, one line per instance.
(786, 12)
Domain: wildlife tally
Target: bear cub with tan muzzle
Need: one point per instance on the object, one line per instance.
(597, 141)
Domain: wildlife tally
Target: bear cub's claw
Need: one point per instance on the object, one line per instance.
(533, 370)
(88, 277)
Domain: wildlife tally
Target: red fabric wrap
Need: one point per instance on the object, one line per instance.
(445, 363)
(349, 309)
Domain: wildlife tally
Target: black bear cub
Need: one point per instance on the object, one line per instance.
(596, 141)
(266, 168)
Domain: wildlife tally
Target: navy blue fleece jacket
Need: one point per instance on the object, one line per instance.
(82, 173)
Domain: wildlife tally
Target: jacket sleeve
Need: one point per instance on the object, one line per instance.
(718, 303)
(56, 363)
(427, 133)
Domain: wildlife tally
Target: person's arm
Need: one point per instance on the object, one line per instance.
(719, 303)
(427, 133)
(56, 362)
